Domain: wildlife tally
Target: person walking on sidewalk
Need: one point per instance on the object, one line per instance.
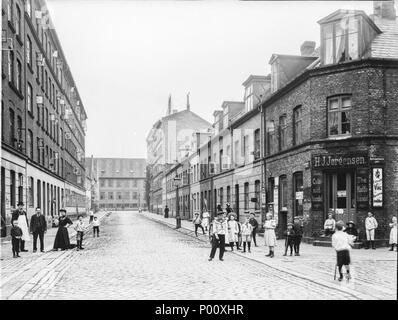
(289, 240)
(80, 228)
(166, 212)
(247, 230)
(91, 216)
(205, 220)
(62, 237)
(233, 230)
(22, 218)
(269, 234)
(38, 227)
(96, 224)
(16, 235)
(253, 221)
(393, 233)
(298, 235)
(198, 224)
(218, 231)
(342, 242)
(370, 226)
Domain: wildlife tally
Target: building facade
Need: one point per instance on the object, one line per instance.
(121, 183)
(317, 136)
(43, 118)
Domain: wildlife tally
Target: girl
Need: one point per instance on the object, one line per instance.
(269, 234)
(247, 230)
(233, 230)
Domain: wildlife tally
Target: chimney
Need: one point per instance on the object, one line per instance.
(384, 9)
(188, 105)
(169, 106)
(307, 48)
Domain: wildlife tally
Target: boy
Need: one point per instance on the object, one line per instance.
(79, 233)
(16, 235)
(290, 237)
(96, 225)
(198, 224)
(247, 230)
(342, 242)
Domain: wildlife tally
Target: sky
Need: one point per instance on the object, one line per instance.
(127, 57)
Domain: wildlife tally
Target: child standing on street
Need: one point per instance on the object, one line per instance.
(342, 242)
(247, 230)
(79, 233)
(16, 235)
(290, 237)
(96, 225)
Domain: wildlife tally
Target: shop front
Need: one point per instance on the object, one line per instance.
(340, 186)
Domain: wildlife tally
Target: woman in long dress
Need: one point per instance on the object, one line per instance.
(269, 234)
(393, 233)
(62, 237)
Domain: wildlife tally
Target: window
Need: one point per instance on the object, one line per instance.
(134, 195)
(118, 184)
(20, 187)
(11, 66)
(62, 137)
(12, 188)
(340, 41)
(10, 10)
(249, 98)
(28, 7)
(229, 194)
(29, 98)
(339, 116)
(29, 144)
(221, 194)
(19, 133)
(46, 120)
(270, 138)
(30, 192)
(282, 133)
(257, 144)
(236, 153)
(18, 22)
(274, 77)
(246, 195)
(257, 194)
(102, 195)
(298, 193)
(110, 183)
(119, 195)
(246, 148)
(12, 127)
(297, 129)
(28, 51)
(283, 192)
(19, 75)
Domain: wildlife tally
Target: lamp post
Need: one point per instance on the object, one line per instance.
(178, 219)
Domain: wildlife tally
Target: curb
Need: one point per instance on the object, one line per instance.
(355, 294)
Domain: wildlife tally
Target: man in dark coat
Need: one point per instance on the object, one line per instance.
(298, 234)
(38, 227)
(254, 223)
(166, 212)
(15, 216)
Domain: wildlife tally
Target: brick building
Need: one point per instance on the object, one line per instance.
(43, 117)
(121, 182)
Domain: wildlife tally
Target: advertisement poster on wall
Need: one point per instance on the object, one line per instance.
(377, 187)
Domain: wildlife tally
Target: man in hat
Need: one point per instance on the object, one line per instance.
(342, 243)
(218, 231)
(197, 221)
(351, 230)
(38, 227)
(370, 226)
(23, 223)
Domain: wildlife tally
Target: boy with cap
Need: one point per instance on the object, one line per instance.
(290, 237)
(342, 242)
(218, 231)
(16, 235)
(198, 223)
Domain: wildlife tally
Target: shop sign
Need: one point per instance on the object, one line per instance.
(299, 195)
(362, 188)
(316, 190)
(377, 187)
(335, 161)
(276, 196)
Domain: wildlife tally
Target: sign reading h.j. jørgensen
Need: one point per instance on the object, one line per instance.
(338, 160)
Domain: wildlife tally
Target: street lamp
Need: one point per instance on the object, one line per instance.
(178, 219)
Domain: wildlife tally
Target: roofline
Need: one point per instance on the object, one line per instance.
(277, 55)
(255, 77)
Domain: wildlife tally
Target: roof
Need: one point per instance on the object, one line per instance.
(255, 77)
(290, 56)
(385, 44)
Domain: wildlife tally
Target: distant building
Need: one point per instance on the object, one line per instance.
(121, 182)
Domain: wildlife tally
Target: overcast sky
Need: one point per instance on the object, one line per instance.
(127, 57)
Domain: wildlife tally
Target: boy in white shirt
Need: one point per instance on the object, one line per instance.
(342, 242)
(96, 224)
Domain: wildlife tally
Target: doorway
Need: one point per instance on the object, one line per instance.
(340, 195)
(237, 201)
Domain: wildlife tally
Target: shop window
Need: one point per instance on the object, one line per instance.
(298, 193)
(298, 126)
(12, 188)
(339, 116)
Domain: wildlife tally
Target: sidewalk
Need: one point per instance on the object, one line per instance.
(49, 238)
(374, 272)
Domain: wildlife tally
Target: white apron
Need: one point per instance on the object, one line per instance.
(24, 227)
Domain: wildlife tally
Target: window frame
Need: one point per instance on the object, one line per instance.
(297, 138)
(340, 109)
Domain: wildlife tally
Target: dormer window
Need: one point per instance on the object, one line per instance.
(340, 41)
(249, 98)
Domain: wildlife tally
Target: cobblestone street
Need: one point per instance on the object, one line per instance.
(139, 258)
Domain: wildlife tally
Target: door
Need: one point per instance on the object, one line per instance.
(237, 201)
(3, 202)
(340, 195)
